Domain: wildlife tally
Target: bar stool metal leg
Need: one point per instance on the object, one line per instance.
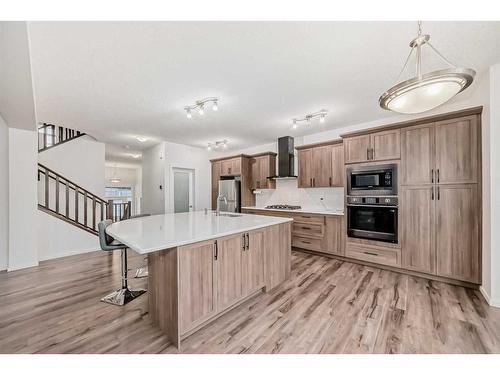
(142, 271)
(125, 294)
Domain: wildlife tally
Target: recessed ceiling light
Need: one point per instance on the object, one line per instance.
(141, 139)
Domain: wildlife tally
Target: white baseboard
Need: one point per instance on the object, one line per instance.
(67, 254)
(22, 266)
(491, 301)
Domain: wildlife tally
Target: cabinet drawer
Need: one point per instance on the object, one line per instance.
(389, 257)
(308, 229)
(307, 218)
(306, 243)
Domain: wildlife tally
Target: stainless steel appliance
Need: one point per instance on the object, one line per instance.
(230, 190)
(283, 207)
(371, 180)
(373, 218)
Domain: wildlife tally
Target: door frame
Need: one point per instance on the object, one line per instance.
(192, 181)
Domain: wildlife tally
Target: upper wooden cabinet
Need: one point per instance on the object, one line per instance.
(262, 167)
(417, 155)
(321, 165)
(216, 168)
(457, 151)
(383, 145)
(445, 152)
(231, 167)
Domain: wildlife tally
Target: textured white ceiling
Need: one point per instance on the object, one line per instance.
(116, 80)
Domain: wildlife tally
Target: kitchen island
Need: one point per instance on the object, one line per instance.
(201, 265)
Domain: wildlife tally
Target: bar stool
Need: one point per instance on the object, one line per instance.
(125, 294)
(142, 271)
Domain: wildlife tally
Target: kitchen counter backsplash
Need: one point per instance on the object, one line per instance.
(287, 192)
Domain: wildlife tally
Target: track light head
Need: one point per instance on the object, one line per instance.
(215, 106)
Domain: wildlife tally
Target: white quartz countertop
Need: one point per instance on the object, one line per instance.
(158, 232)
(301, 211)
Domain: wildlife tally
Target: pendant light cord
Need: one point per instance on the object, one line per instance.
(442, 57)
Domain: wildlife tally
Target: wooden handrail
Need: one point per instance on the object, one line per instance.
(115, 211)
(58, 135)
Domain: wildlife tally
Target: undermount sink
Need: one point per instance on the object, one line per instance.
(230, 215)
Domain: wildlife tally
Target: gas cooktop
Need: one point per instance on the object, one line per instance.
(283, 207)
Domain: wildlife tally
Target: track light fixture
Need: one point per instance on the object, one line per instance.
(217, 144)
(307, 118)
(200, 106)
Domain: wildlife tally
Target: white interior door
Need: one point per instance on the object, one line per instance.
(183, 189)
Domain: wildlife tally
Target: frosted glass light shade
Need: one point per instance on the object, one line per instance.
(430, 91)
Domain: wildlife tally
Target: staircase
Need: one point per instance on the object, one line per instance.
(62, 198)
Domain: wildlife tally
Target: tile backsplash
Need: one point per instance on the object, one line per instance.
(287, 192)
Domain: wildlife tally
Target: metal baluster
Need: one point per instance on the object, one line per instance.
(57, 194)
(85, 208)
(67, 199)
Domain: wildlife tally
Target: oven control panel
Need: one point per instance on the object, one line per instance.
(378, 201)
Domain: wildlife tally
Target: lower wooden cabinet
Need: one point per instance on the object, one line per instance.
(252, 264)
(334, 240)
(418, 231)
(196, 289)
(457, 227)
(228, 257)
(375, 254)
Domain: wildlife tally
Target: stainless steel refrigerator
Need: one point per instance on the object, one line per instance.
(230, 190)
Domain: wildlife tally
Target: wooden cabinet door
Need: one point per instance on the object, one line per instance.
(228, 271)
(256, 164)
(305, 168)
(457, 158)
(278, 252)
(338, 170)
(196, 284)
(216, 173)
(333, 242)
(231, 167)
(417, 155)
(457, 232)
(418, 228)
(386, 145)
(321, 166)
(253, 258)
(236, 166)
(356, 149)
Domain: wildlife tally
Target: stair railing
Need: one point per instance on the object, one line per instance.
(72, 203)
(50, 135)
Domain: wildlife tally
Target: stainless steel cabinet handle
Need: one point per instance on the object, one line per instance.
(432, 175)
(314, 181)
(248, 241)
(308, 228)
(216, 245)
(439, 195)
(306, 242)
(244, 243)
(432, 193)
(368, 154)
(373, 154)
(437, 175)
(330, 180)
(369, 253)
(311, 182)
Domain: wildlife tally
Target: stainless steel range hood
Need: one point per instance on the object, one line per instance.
(286, 158)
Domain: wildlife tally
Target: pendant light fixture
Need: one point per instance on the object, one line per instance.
(425, 91)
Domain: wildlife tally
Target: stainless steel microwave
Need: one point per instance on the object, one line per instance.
(372, 180)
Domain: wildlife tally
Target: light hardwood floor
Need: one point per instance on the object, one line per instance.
(327, 306)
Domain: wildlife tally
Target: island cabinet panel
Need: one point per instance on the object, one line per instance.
(228, 269)
(278, 247)
(417, 159)
(253, 262)
(418, 250)
(357, 149)
(196, 284)
(305, 168)
(386, 145)
(458, 237)
(457, 157)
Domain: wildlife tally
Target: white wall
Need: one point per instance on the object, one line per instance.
(4, 194)
(153, 176)
(22, 199)
(491, 193)
(16, 89)
(82, 161)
